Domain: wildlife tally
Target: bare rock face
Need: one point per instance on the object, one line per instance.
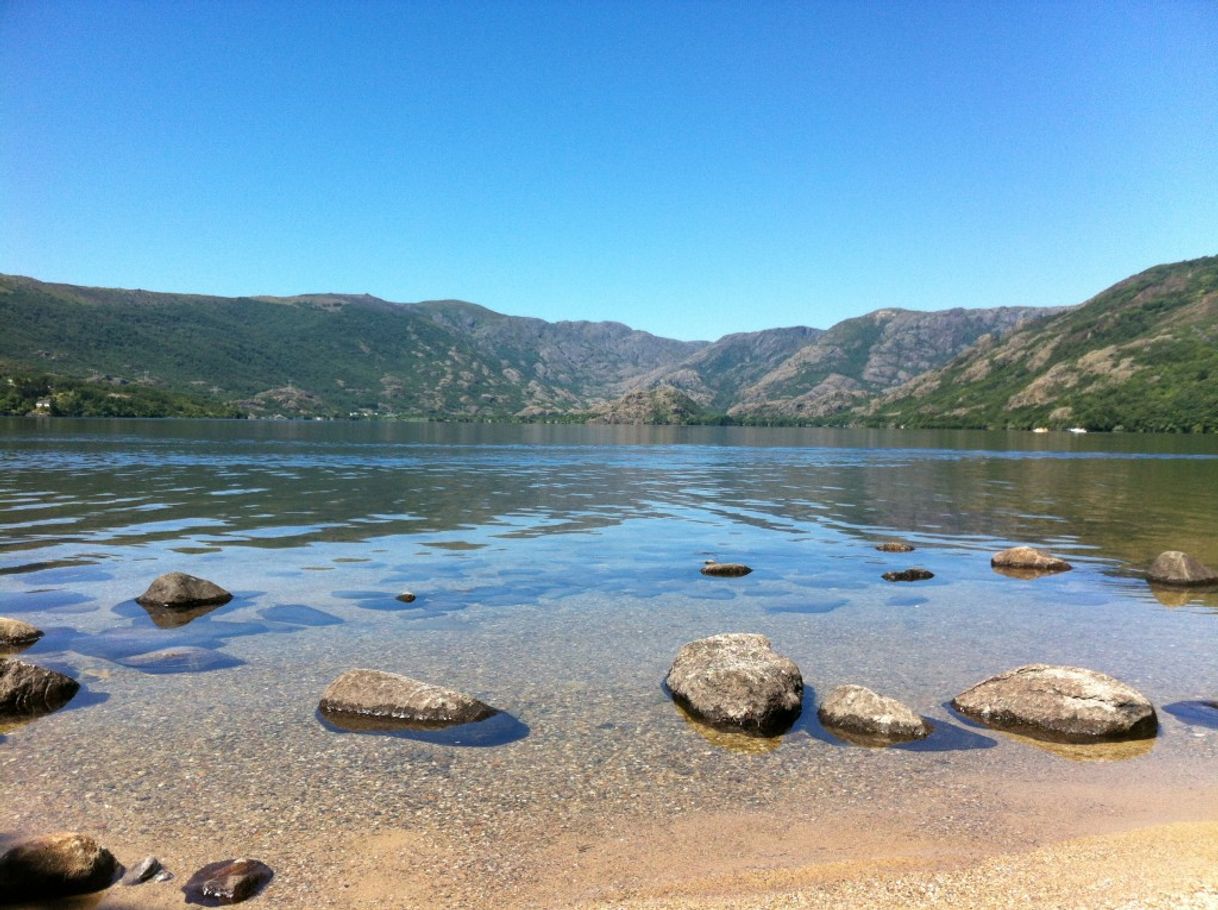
(1060, 704)
(895, 546)
(17, 633)
(864, 716)
(229, 881)
(55, 865)
(376, 694)
(177, 589)
(1180, 569)
(908, 575)
(738, 682)
(29, 690)
(1029, 558)
(726, 569)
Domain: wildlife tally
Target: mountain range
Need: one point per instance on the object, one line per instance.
(70, 349)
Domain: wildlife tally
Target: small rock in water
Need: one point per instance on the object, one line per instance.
(406, 597)
(229, 881)
(375, 693)
(177, 589)
(55, 865)
(895, 546)
(16, 632)
(863, 716)
(908, 575)
(726, 569)
(142, 871)
(29, 690)
(184, 659)
(1029, 558)
(1176, 568)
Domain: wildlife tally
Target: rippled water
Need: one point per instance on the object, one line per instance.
(556, 574)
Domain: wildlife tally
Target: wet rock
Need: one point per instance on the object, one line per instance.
(1029, 558)
(55, 865)
(737, 681)
(1060, 704)
(895, 546)
(185, 659)
(1176, 568)
(406, 597)
(177, 589)
(143, 871)
(229, 881)
(726, 569)
(908, 575)
(16, 632)
(374, 693)
(27, 689)
(861, 715)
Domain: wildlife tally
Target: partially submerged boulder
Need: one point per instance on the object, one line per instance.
(17, 633)
(908, 575)
(737, 681)
(229, 881)
(1029, 558)
(861, 715)
(29, 690)
(55, 865)
(1181, 570)
(177, 589)
(726, 569)
(895, 546)
(1060, 704)
(377, 694)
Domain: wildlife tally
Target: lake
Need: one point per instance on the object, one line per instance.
(556, 574)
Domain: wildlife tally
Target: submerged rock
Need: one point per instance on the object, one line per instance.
(737, 681)
(376, 694)
(177, 589)
(184, 659)
(1060, 704)
(862, 715)
(229, 881)
(726, 569)
(1029, 558)
(1176, 568)
(55, 865)
(908, 575)
(895, 546)
(143, 871)
(27, 689)
(406, 597)
(16, 632)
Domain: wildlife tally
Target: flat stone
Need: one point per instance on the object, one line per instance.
(183, 659)
(229, 881)
(375, 693)
(1029, 558)
(177, 589)
(726, 569)
(908, 575)
(142, 871)
(29, 690)
(862, 715)
(1176, 568)
(1060, 704)
(16, 632)
(895, 546)
(55, 865)
(738, 682)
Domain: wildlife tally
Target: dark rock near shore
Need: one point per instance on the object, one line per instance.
(406, 597)
(908, 575)
(857, 714)
(55, 865)
(229, 881)
(177, 589)
(1060, 704)
(14, 632)
(895, 546)
(376, 694)
(1178, 569)
(1029, 558)
(29, 690)
(726, 569)
(738, 682)
(142, 871)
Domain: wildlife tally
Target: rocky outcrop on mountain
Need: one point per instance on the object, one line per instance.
(664, 405)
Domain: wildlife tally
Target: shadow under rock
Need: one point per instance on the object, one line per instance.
(499, 729)
(1195, 712)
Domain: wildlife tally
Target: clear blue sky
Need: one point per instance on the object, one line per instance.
(688, 168)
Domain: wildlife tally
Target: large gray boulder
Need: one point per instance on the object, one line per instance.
(737, 681)
(1180, 569)
(14, 632)
(177, 589)
(1060, 704)
(859, 714)
(1029, 558)
(28, 690)
(376, 694)
(55, 865)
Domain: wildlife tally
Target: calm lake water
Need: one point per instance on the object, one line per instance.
(556, 574)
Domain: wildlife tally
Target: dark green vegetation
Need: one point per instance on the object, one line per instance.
(61, 397)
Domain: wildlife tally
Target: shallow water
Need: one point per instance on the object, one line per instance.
(556, 574)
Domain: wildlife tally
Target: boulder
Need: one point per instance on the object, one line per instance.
(1180, 569)
(862, 715)
(16, 632)
(908, 575)
(406, 597)
(895, 546)
(1060, 704)
(55, 865)
(726, 569)
(376, 694)
(229, 881)
(738, 682)
(177, 589)
(1029, 558)
(27, 689)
